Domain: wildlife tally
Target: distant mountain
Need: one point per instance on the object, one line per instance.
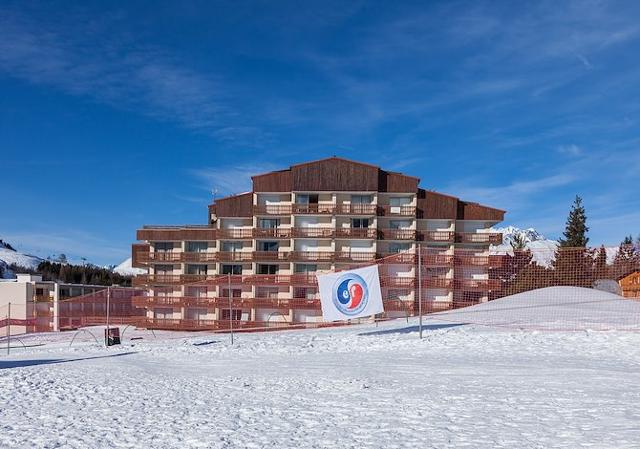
(9, 256)
(542, 248)
(125, 269)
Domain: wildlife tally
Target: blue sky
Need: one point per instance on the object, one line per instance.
(119, 114)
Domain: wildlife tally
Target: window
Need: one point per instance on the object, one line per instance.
(399, 224)
(268, 246)
(361, 199)
(310, 198)
(400, 201)
(236, 314)
(163, 246)
(164, 269)
(232, 246)
(39, 292)
(269, 223)
(231, 269)
(196, 269)
(267, 292)
(196, 314)
(267, 269)
(163, 313)
(359, 222)
(235, 293)
(305, 292)
(398, 247)
(197, 247)
(305, 268)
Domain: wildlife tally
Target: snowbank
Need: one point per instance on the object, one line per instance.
(563, 308)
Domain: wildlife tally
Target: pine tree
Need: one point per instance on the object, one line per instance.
(573, 264)
(575, 234)
(600, 269)
(627, 258)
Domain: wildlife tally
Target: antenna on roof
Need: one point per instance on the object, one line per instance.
(214, 192)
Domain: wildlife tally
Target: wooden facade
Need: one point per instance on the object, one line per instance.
(630, 285)
(235, 206)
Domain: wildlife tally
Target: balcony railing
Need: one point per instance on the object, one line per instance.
(325, 233)
(314, 256)
(304, 279)
(271, 255)
(235, 256)
(314, 209)
(478, 237)
(438, 282)
(235, 233)
(272, 233)
(478, 284)
(356, 233)
(397, 281)
(436, 236)
(272, 209)
(356, 209)
(398, 234)
(390, 211)
(189, 256)
(352, 256)
(438, 259)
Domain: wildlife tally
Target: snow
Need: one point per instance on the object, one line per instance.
(564, 308)
(125, 269)
(361, 386)
(9, 257)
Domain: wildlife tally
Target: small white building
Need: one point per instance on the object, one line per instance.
(29, 304)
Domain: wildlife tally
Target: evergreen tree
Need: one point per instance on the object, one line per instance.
(600, 269)
(627, 258)
(575, 234)
(573, 264)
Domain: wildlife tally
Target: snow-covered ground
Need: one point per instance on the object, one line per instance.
(353, 387)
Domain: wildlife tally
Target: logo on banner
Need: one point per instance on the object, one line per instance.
(350, 294)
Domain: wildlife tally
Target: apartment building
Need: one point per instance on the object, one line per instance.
(263, 248)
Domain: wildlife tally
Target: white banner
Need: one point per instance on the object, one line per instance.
(350, 294)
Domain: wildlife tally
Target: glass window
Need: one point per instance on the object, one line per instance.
(400, 201)
(359, 222)
(196, 269)
(236, 314)
(197, 247)
(307, 198)
(267, 246)
(235, 293)
(164, 269)
(397, 247)
(163, 246)
(231, 269)
(305, 268)
(399, 224)
(231, 246)
(269, 223)
(361, 199)
(267, 269)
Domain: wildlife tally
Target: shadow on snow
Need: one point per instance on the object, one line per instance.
(6, 364)
(409, 329)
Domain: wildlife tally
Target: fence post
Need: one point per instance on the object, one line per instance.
(420, 288)
(9, 328)
(230, 311)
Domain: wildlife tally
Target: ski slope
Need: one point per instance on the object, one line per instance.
(352, 387)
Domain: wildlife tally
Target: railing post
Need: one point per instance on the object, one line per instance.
(420, 288)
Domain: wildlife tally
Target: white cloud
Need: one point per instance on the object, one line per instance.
(571, 150)
(230, 179)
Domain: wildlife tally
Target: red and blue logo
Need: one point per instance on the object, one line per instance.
(350, 294)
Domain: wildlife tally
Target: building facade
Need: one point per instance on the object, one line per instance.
(263, 248)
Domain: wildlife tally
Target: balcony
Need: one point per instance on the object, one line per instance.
(438, 282)
(204, 257)
(269, 279)
(272, 233)
(478, 237)
(437, 260)
(471, 260)
(351, 256)
(304, 279)
(396, 211)
(397, 234)
(479, 284)
(235, 256)
(314, 209)
(272, 209)
(356, 209)
(172, 301)
(397, 281)
(312, 256)
(356, 233)
(436, 236)
(316, 233)
(271, 256)
(246, 234)
(404, 258)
